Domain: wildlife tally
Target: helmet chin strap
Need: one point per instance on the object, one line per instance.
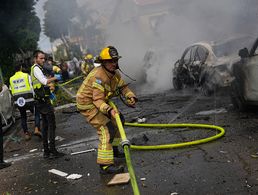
(125, 74)
(118, 68)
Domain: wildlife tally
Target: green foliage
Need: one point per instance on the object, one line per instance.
(19, 34)
(65, 19)
(60, 53)
(58, 17)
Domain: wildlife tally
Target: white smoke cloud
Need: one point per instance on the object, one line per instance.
(187, 22)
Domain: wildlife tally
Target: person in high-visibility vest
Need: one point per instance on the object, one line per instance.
(22, 91)
(42, 92)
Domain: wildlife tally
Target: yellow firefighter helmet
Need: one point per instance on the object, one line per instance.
(88, 57)
(109, 53)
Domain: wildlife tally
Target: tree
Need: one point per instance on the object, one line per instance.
(58, 19)
(19, 34)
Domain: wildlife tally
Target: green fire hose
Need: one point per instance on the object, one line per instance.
(126, 144)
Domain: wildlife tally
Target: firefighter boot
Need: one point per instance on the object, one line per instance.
(37, 132)
(117, 153)
(110, 169)
(55, 154)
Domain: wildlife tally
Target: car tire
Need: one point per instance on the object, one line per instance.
(177, 84)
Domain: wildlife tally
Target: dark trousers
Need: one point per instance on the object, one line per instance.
(37, 117)
(24, 117)
(1, 142)
(23, 114)
(48, 123)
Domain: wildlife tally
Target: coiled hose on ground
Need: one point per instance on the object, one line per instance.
(126, 144)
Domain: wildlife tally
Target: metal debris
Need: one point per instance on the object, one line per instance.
(33, 150)
(57, 172)
(215, 111)
(84, 151)
(74, 176)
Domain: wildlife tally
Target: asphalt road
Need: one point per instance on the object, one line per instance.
(224, 166)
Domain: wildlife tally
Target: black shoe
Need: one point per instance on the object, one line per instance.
(4, 165)
(117, 153)
(110, 169)
(46, 154)
(56, 154)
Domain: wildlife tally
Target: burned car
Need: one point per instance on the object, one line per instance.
(206, 65)
(244, 88)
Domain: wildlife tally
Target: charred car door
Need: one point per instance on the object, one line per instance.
(182, 75)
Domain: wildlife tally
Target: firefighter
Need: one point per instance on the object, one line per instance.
(101, 84)
(87, 65)
(42, 92)
(22, 91)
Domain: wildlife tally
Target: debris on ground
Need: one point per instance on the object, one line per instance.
(120, 178)
(140, 141)
(254, 155)
(74, 176)
(57, 172)
(84, 151)
(141, 120)
(59, 138)
(138, 120)
(33, 150)
(215, 111)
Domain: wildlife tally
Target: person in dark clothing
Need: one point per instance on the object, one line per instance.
(2, 163)
(40, 85)
(22, 91)
(64, 68)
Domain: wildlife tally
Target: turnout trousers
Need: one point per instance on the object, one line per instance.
(108, 135)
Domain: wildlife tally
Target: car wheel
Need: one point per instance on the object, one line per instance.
(177, 84)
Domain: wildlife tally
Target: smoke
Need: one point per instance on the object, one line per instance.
(184, 23)
(163, 29)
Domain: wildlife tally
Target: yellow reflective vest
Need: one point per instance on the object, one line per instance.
(20, 87)
(40, 90)
(35, 82)
(20, 84)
